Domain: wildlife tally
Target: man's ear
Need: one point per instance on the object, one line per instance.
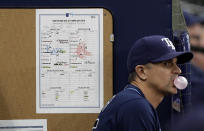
(140, 71)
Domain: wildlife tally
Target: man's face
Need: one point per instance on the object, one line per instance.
(161, 76)
(196, 39)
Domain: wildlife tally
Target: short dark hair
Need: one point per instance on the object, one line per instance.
(132, 76)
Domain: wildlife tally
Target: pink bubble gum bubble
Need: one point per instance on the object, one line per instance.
(180, 82)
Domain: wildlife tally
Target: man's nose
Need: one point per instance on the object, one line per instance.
(177, 70)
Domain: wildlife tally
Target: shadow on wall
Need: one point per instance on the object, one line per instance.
(4, 111)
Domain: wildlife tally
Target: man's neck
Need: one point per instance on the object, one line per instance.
(150, 94)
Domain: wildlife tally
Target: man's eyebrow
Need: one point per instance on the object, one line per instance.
(171, 60)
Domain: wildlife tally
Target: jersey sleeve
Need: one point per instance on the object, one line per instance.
(137, 115)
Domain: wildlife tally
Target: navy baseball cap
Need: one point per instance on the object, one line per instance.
(191, 19)
(152, 49)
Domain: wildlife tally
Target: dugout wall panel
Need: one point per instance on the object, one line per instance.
(18, 72)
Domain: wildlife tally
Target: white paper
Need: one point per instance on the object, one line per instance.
(69, 60)
(23, 125)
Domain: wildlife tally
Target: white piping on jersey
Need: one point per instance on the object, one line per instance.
(134, 90)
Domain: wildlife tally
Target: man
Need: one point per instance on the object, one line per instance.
(197, 63)
(152, 66)
(195, 32)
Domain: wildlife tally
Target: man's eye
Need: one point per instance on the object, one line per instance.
(195, 37)
(168, 64)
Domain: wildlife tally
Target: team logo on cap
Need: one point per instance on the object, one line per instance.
(169, 43)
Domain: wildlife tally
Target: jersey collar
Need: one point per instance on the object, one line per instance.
(134, 88)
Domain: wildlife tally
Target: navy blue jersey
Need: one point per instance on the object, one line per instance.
(128, 111)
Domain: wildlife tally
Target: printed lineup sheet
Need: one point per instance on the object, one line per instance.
(23, 125)
(69, 60)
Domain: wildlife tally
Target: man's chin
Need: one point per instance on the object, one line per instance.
(174, 90)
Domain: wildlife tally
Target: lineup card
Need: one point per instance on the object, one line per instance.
(69, 60)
